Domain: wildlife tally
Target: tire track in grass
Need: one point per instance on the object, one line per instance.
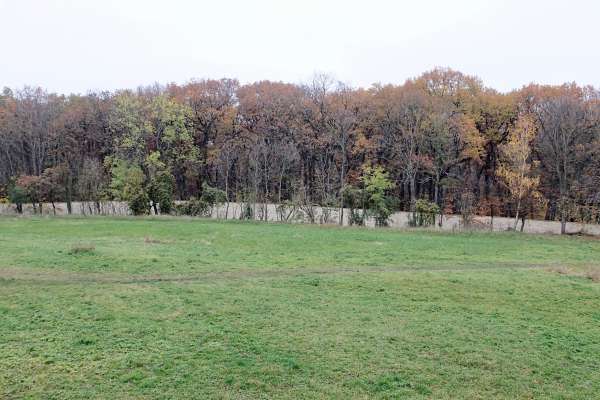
(8, 274)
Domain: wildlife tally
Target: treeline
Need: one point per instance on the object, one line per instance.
(442, 138)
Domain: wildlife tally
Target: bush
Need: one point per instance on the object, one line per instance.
(197, 207)
(193, 207)
(18, 195)
(203, 206)
(356, 217)
(139, 203)
(376, 182)
(160, 191)
(355, 200)
(212, 195)
(425, 213)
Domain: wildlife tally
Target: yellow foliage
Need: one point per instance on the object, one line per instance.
(516, 168)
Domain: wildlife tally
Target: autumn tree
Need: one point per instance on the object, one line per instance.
(50, 185)
(516, 167)
(404, 119)
(91, 184)
(212, 113)
(567, 127)
(443, 137)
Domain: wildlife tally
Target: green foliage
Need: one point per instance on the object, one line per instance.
(160, 191)
(376, 182)
(128, 122)
(194, 207)
(212, 195)
(139, 203)
(126, 179)
(203, 206)
(27, 188)
(17, 194)
(355, 200)
(127, 184)
(425, 213)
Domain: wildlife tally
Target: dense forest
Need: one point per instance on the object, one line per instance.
(442, 137)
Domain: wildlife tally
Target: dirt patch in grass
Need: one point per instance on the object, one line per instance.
(591, 273)
(71, 277)
(151, 240)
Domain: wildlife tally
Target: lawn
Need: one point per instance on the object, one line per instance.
(168, 308)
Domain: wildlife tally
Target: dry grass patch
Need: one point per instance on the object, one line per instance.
(151, 240)
(82, 248)
(592, 274)
(562, 270)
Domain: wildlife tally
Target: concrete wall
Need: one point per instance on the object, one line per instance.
(270, 212)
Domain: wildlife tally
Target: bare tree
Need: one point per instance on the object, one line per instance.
(566, 127)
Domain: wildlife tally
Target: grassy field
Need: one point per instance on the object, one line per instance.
(178, 308)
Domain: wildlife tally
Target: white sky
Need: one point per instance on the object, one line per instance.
(75, 46)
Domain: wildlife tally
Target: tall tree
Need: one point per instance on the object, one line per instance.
(567, 127)
(516, 167)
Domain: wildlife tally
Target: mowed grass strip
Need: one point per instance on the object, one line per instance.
(204, 309)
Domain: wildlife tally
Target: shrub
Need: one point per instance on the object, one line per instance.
(213, 196)
(355, 200)
(193, 207)
(160, 191)
(425, 213)
(139, 203)
(197, 207)
(18, 195)
(356, 217)
(377, 182)
(203, 206)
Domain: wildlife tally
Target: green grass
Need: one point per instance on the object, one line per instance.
(181, 308)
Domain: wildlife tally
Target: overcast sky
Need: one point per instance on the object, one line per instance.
(76, 46)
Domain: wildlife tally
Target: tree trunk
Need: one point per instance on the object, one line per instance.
(517, 215)
(563, 213)
(69, 193)
(413, 192)
(436, 189)
(342, 178)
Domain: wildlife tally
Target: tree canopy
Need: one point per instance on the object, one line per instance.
(442, 137)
